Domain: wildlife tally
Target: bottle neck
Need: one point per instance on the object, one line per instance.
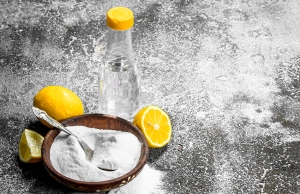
(119, 42)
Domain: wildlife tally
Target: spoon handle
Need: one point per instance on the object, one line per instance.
(43, 115)
(107, 165)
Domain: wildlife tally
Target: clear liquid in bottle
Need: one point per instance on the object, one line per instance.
(119, 88)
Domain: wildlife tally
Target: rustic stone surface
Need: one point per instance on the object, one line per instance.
(227, 72)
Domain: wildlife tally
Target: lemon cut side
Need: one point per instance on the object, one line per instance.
(30, 146)
(155, 125)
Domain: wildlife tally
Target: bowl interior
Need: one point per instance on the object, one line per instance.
(98, 121)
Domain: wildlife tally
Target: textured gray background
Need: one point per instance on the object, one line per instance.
(226, 71)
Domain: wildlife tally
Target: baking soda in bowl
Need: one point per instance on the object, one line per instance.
(68, 158)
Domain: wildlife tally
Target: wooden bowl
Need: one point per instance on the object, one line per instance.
(98, 121)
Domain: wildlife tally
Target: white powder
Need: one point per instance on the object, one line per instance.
(68, 158)
(147, 182)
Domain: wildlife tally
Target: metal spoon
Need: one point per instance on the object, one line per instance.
(108, 166)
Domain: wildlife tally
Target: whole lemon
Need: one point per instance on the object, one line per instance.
(59, 102)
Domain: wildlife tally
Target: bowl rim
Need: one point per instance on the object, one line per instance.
(53, 133)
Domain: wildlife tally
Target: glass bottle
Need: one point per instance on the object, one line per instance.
(119, 75)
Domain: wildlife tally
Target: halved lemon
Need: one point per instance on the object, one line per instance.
(30, 146)
(155, 125)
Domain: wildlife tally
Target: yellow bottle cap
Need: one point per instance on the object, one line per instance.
(119, 18)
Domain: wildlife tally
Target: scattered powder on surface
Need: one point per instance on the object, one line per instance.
(68, 158)
(147, 182)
